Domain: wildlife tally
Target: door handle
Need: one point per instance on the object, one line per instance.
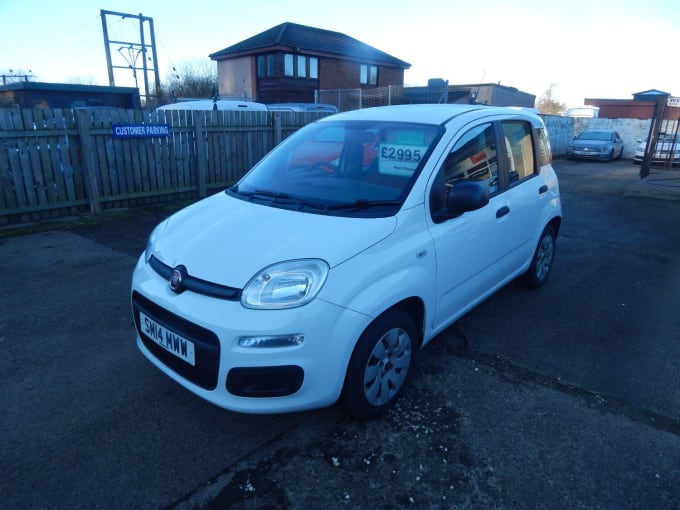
(502, 211)
(543, 189)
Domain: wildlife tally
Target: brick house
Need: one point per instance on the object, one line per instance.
(289, 62)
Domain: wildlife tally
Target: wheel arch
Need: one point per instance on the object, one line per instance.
(412, 308)
(555, 223)
(415, 308)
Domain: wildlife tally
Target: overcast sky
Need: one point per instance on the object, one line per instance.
(594, 48)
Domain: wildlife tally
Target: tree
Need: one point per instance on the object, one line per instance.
(192, 80)
(547, 104)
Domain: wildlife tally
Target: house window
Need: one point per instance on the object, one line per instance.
(301, 66)
(298, 66)
(368, 75)
(288, 65)
(266, 65)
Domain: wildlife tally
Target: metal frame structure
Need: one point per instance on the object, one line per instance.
(131, 51)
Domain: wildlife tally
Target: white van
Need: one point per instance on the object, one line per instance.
(303, 107)
(212, 104)
(583, 112)
(356, 241)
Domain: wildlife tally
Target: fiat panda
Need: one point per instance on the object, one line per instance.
(318, 276)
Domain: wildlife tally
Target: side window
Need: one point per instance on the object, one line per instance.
(473, 158)
(519, 146)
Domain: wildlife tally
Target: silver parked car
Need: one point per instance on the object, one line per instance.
(601, 144)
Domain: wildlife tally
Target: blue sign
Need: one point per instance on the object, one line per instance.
(140, 130)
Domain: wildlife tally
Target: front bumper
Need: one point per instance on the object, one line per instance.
(596, 154)
(658, 158)
(248, 379)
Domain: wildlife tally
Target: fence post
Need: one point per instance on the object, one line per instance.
(201, 153)
(87, 150)
(278, 130)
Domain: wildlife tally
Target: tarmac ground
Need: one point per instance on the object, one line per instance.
(565, 397)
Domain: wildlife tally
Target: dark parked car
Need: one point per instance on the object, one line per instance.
(602, 144)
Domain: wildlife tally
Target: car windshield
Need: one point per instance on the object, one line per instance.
(341, 168)
(603, 136)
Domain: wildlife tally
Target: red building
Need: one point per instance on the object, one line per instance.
(640, 107)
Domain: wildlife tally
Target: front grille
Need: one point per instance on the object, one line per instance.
(207, 345)
(196, 284)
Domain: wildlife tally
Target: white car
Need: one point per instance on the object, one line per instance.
(667, 150)
(356, 241)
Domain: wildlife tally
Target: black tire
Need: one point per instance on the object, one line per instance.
(611, 155)
(541, 265)
(380, 365)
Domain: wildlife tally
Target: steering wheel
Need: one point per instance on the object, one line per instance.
(325, 166)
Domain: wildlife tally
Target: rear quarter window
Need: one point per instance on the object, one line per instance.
(543, 151)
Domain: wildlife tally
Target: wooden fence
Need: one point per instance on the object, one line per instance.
(61, 162)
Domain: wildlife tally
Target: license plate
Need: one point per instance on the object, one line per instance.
(168, 339)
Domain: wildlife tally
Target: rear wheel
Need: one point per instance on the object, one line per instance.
(380, 365)
(541, 264)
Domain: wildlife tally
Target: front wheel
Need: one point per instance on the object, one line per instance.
(541, 264)
(380, 365)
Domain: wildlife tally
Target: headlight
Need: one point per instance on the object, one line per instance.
(151, 241)
(285, 285)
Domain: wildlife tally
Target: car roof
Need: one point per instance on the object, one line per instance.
(427, 113)
(209, 104)
(303, 107)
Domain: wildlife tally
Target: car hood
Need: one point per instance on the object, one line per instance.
(590, 143)
(660, 146)
(226, 240)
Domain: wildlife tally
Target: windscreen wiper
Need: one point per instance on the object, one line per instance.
(363, 203)
(277, 197)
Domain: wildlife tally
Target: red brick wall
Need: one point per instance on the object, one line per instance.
(344, 74)
(390, 76)
(624, 109)
(338, 74)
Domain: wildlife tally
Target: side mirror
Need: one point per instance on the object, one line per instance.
(466, 196)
